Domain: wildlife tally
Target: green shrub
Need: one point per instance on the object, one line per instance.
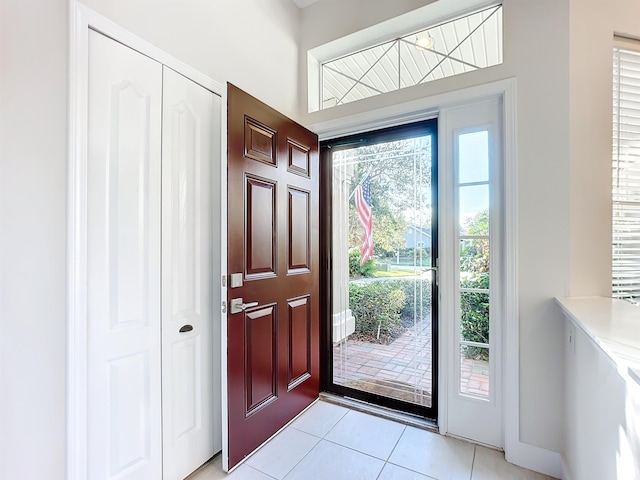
(356, 270)
(376, 307)
(415, 291)
(474, 307)
(474, 315)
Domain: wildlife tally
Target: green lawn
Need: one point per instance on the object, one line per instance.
(396, 273)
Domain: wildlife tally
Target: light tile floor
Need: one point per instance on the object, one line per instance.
(332, 442)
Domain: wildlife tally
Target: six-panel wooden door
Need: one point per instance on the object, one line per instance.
(273, 335)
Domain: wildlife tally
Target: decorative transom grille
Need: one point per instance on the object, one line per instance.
(458, 46)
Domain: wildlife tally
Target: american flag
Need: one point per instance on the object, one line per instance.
(363, 207)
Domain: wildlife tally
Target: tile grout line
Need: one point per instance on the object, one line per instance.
(412, 470)
(333, 443)
(404, 429)
(473, 462)
(396, 444)
(387, 461)
(351, 448)
(300, 461)
(317, 443)
(263, 473)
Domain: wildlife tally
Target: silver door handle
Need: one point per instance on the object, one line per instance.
(238, 306)
(436, 274)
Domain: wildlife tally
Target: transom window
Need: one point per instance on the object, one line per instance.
(458, 46)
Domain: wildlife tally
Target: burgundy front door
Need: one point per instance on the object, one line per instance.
(273, 335)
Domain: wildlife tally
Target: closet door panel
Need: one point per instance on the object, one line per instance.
(123, 261)
(190, 395)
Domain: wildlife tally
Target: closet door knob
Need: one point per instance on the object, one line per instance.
(186, 328)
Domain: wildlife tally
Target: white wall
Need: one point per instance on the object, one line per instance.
(536, 53)
(332, 19)
(250, 43)
(33, 155)
(540, 64)
(593, 23)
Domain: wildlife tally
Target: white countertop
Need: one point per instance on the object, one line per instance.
(613, 325)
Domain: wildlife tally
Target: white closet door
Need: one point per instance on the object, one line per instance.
(190, 388)
(123, 259)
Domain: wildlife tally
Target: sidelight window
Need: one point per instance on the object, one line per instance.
(474, 261)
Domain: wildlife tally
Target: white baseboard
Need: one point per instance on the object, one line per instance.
(535, 458)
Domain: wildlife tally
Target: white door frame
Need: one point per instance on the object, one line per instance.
(81, 20)
(516, 451)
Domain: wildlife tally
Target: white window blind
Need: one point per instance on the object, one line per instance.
(626, 175)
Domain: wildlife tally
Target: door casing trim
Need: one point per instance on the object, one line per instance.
(81, 20)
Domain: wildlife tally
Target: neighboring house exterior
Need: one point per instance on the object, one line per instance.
(417, 237)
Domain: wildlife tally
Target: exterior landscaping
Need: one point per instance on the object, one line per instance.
(386, 302)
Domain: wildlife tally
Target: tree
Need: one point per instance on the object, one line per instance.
(474, 306)
(356, 269)
(474, 257)
(400, 179)
(388, 230)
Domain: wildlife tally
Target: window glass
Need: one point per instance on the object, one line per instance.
(474, 157)
(625, 168)
(451, 48)
(474, 261)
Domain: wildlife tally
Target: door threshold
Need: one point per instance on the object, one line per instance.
(383, 412)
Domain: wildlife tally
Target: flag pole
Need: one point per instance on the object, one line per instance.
(359, 183)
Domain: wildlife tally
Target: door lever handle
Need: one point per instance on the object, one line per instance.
(436, 273)
(238, 306)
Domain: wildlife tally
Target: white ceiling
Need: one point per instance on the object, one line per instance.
(303, 3)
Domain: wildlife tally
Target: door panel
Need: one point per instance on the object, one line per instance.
(260, 142)
(299, 340)
(190, 385)
(298, 231)
(261, 360)
(123, 262)
(261, 228)
(273, 346)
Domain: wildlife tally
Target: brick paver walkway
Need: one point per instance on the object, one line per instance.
(474, 377)
(401, 369)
